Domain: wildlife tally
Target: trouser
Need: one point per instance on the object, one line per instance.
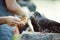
(6, 32)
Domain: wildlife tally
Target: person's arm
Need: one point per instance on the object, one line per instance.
(14, 7)
(2, 20)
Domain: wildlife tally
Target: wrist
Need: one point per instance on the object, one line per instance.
(4, 20)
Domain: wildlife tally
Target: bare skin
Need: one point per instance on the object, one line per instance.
(16, 9)
(11, 20)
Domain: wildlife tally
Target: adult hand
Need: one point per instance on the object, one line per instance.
(14, 21)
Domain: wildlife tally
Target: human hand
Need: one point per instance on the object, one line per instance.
(14, 21)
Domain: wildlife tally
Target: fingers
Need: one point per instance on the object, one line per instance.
(17, 19)
(19, 22)
(14, 21)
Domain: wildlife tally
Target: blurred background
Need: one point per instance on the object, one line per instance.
(41, 9)
(50, 8)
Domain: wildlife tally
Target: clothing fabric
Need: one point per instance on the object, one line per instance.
(6, 31)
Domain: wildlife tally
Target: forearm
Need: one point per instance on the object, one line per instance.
(2, 20)
(13, 6)
(18, 10)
